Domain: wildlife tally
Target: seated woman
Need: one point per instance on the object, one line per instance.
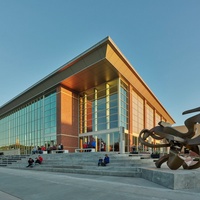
(39, 159)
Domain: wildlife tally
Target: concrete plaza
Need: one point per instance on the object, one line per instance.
(18, 184)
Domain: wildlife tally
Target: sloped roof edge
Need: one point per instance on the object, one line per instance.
(60, 68)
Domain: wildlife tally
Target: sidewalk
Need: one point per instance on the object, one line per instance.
(5, 196)
(33, 185)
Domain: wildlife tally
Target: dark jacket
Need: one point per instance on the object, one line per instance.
(106, 160)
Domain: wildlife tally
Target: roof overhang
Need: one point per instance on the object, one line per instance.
(101, 63)
(87, 70)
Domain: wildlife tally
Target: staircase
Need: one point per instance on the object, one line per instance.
(86, 163)
(11, 159)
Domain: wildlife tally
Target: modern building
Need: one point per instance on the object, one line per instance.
(96, 98)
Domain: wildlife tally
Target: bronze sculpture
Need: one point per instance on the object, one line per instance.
(176, 141)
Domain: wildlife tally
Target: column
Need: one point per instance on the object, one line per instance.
(85, 113)
(95, 110)
(108, 116)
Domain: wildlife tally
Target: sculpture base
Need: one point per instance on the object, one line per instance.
(173, 179)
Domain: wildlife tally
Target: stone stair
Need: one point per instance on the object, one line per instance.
(11, 159)
(86, 163)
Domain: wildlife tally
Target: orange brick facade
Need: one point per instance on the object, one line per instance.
(67, 119)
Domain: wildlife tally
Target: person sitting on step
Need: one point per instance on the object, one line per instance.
(39, 160)
(100, 162)
(106, 159)
(30, 162)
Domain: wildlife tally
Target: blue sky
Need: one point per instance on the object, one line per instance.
(160, 38)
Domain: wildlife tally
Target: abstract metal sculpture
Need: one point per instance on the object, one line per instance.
(176, 141)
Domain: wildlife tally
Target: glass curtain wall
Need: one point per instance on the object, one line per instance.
(123, 113)
(158, 118)
(34, 124)
(149, 122)
(99, 109)
(123, 105)
(137, 120)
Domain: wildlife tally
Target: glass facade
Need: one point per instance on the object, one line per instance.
(34, 124)
(149, 120)
(104, 107)
(137, 119)
(137, 113)
(99, 108)
(103, 110)
(149, 117)
(123, 105)
(157, 119)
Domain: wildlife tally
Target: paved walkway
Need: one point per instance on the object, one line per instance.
(33, 185)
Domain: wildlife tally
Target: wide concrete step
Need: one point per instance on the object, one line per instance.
(93, 171)
(84, 159)
(83, 164)
(104, 168)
